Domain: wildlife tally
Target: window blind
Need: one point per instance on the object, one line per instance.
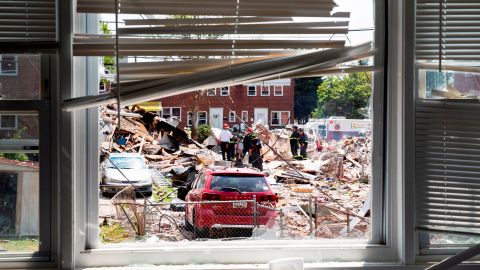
(27, 20)
(197, 44)
(447, 145)
(447, 30)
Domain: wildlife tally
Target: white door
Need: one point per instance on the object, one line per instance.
(216, 117)
(261, 116)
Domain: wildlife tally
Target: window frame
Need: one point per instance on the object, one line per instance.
(2, 73)
(9, 128)
(246, 116)
(388, 248)
(232, 118)
(211, 92)
(280, 118)
(262, 87)
(48, 181)
(248, 90)
(189, 118)
(198, 117)
(223, 89)
(275, 91)
(171, 112)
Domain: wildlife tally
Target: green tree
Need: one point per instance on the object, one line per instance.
(108, 61)
(16, 156)
(305, 97)
(344, 95)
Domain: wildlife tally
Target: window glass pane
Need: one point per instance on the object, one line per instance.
(278, 91)
(251, 91)
(275, 118)
(202, 118)
(225, 91)
(19, 183)
(189, 119)
(176, 112)
(265, 91)
(244, 116)
(20, 77)
(337, 207)
(9, 64)
(8, 122)
(211, 92)
(448, 84)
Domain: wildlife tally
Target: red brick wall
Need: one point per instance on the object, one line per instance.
(237, 101)
(24, 85)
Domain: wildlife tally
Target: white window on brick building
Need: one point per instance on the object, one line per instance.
(278, 90)
(244, 116)
(279, 118)
(201, 118)
(225, 91)
(251, 91)
(8, 122)
(231, 116)
(189, 119)
(211, 92)
(8, 65)
(168, 112)
(264, 91)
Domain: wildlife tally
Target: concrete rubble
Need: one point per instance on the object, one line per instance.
(317, 196)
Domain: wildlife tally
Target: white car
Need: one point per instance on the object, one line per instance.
(125, 169)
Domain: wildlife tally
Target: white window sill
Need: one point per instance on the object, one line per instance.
(307, 266)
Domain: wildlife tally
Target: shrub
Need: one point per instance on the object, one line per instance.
(203, 132)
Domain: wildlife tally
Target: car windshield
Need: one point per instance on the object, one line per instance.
(242, 183)
(127, 163)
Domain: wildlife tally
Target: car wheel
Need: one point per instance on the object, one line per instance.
(199, 233)
(188, 226)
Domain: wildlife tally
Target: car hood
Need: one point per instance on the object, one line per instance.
(131, 174)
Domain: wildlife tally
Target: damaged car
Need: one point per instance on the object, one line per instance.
(125, 169)
(222, 198)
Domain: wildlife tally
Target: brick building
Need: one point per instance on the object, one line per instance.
(19, 79)
(268, 102)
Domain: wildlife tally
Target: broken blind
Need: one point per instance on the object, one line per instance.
(27, 20)
(447, 145)
(189, 36)
(447, 30)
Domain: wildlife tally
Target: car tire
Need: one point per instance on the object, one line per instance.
(199, 233)
(188, 226)
(147, 194)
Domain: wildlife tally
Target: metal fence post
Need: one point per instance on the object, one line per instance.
(281, 223)
(145, 214)
(349, 208)
(254, 211)
(310, 214)
(315, 217)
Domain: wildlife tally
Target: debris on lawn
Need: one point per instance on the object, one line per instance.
(324, 196)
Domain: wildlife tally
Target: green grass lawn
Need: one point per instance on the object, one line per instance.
(163, 194)
(113, 233)
(19, 245)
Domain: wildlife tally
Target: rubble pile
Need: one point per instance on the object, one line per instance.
(317, 196)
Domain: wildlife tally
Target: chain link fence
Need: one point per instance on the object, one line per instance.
(237, 219)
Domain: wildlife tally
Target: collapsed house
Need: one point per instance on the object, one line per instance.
(325, 196)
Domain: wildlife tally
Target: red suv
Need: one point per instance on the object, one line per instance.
(223, 198)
